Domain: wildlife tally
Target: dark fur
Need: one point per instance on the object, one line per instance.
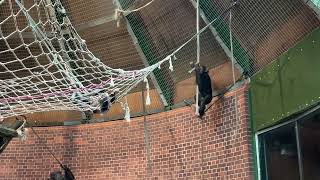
(5, 140)
(203, 81)
(57, 175)
(106, 103)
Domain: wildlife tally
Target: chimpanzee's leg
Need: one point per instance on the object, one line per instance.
(105, 104)
(203, 101)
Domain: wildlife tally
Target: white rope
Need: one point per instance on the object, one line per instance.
(22, 131)
(238, 122)
(198, 56)
(233, 61)
(57, 85)
(127, 111)
(118, 12)
(148, 100)
(170, 64)
(134, 10)
(2, 1)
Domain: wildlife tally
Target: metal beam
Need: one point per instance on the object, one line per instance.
(144, 59)
(216, 36)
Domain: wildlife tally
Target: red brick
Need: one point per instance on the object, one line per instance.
(182, 147)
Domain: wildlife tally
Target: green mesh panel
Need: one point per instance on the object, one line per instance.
(147, 46)
(222, 28)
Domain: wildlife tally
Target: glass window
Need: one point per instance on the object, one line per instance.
(309, 134)
(280, 157)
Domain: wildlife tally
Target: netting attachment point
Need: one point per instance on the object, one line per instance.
(170, 66)
(127, 111)
(175, 57)
(111, 82)
(148, 100)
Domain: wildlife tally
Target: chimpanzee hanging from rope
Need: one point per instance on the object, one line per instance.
(203, 81)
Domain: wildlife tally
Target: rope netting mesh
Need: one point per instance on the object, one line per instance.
(160, 28)
(262, 31)
(45, 65)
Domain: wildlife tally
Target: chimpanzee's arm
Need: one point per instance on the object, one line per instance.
(198, 74)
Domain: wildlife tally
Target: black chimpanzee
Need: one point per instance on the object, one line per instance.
(57, 175)
(105, 103)
(6, 138)
(203, 81)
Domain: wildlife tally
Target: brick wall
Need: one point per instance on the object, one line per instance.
(180, 147)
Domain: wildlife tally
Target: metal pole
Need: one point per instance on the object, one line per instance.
(257, 156)
(198, 54)
(299, 150)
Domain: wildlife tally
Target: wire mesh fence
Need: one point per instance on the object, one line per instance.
(262, 30)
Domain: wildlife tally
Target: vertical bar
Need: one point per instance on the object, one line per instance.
(231, 47)
(299, 151)
(265, 158)
(257, 156)
(198, 54)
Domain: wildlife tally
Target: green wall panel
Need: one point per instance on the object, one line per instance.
(288, 85)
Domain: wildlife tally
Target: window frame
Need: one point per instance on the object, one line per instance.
(313, 6)
(259, 137)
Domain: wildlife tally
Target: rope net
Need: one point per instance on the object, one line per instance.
(45, 65)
